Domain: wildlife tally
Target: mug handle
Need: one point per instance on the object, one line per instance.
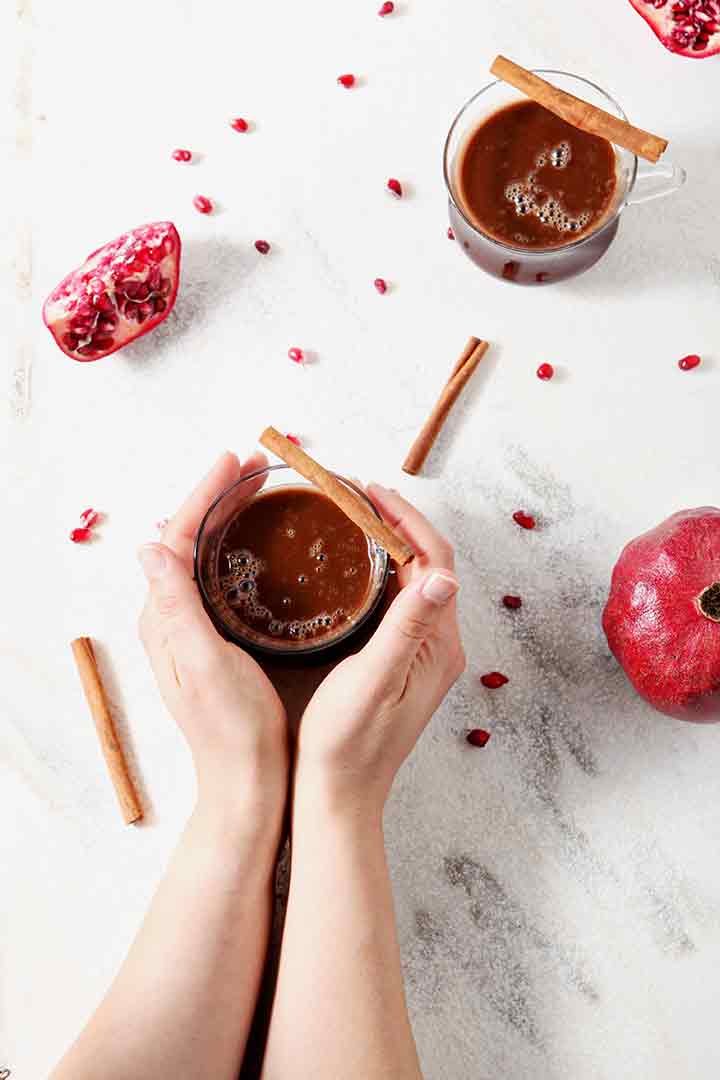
(655, 181)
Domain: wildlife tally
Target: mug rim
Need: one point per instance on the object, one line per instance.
(283, 650)
(531, 253)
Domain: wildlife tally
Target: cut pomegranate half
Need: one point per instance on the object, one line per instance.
(121, 291)
(686, 27)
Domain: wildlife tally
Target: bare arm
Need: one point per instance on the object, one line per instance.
(340, 1009)
(183, 1001)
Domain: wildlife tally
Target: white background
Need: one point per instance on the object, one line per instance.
(558, 893)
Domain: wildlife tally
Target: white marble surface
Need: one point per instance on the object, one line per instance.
(558, 893)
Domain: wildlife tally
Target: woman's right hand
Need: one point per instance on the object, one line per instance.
(222, 701)
(367, 715)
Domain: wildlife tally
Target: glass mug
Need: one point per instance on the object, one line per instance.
(636, 182)
(209, 573)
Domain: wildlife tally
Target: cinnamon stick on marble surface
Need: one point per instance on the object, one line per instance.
(581, 114)
(130, 805)
(350, 503)
(465, 367)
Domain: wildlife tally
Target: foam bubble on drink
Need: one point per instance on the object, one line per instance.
(561, 155)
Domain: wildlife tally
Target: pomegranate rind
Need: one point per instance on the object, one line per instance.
(667, 648)
(91, 291)
(660, 20)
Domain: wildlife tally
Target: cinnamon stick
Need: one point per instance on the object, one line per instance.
(460, 375)
(130, 805)
(351, 504)
(581, 114)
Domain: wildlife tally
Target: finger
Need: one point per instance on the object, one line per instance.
(179, 534)
(410, 620)
(173, 615)
(429, 545)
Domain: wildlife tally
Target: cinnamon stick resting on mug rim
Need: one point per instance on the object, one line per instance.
(130, 805)
(581, 114)
(460, 375)
(351, 504)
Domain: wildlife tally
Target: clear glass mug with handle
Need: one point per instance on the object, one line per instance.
(637, 182)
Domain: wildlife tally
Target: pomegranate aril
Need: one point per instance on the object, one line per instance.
(494, 680)
(88, 518)
(262, 246)
(296, 355)
(478, 737)
(512, 603)
(293, 439)
(394, 187)
(689, 362)
(202, 204)
(524, 520)
(182, 155)
(387, 8)
(238, 124)
(545, 372)
(381, 285)
(346, 80)
(80, 536)
(450, 234)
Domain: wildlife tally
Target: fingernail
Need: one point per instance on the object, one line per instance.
(439, 588)
(152, 559)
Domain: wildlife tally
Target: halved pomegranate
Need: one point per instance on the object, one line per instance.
(687, 27)
(121, 291)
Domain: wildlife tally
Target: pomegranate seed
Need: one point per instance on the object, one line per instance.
(296, 355)
(524, 520)
(689, 362)
(394, 187)
(202, 204)
(80, 536)
(450, 234)
(262, 246)
(88, 518)
(542, 276)
(162, 524)
(545, 372)
(346, 80)
(381, 285)
(512, 602)
(182, 155)
(478, 737)
(494, 680)
(293, 439)
(387, 8)
(238, 124)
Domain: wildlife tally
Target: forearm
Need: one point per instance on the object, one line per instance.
(340, 1007)
(183, 1001)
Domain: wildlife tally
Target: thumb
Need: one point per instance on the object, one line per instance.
(411, 619)
(173, 603)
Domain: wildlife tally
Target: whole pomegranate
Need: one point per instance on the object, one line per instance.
(662, 618)
(121, 291)
(686, 27)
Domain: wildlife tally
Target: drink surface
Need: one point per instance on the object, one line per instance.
(529, 179)
(293, 567)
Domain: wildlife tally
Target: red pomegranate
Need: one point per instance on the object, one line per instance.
(686, 27)
(662, 618)
(121, 291)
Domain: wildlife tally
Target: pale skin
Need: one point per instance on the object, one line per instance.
(183, 1000)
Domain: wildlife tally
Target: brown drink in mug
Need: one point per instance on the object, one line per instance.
(533, 199)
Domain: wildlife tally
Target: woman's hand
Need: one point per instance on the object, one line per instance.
(366, 716)
(224, 704)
